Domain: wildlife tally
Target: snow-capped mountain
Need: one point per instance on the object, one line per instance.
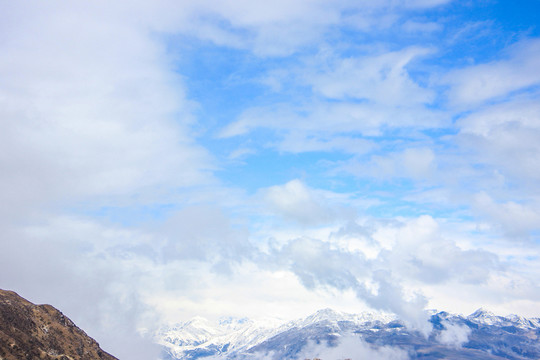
(485, 317)
(335, 317)
(198, 337)
(481, 335)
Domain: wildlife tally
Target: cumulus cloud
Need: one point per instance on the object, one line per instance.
(95, 119)
(395, 261)
(320, 265)
(390, 296)
(454, 335)
(417, 251)
(317, 263)
(93, 113)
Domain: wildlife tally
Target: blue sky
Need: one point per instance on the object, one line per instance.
(162, 160)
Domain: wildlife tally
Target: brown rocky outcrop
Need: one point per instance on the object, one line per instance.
(32, 332)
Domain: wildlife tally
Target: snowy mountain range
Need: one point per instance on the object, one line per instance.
(328, 333)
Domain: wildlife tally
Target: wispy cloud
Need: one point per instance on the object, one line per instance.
(365, 155)
(490, 81)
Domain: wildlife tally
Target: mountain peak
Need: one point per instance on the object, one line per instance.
(33, 331)
(246, 339)
(481, 312)
(326, 314)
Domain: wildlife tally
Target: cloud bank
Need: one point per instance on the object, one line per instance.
(169, 159)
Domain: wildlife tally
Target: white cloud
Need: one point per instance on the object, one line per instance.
(506, 137)
(318, 264)
(403, 259)
(454, 335)
(478, 83)
(488, 120)
(283, 27)
(90, 108)
(91, 115)
(375, 92)
(204, 233)
(87, 271)
(352, 347)
(516, 220)
(296, 201)
(414, 252)
(421, 27)
(419, 163)
(331, 118)
(499, 157)
(94, 115)
(241, 153)
(380, 78)
(298, 143)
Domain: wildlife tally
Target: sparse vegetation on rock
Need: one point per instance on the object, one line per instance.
(32, 332)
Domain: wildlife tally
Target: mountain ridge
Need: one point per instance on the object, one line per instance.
(29, 331)
(480, 335)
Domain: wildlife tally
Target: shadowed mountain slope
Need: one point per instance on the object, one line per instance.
(481, 335)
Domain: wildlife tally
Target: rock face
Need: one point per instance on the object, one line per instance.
(29, 331)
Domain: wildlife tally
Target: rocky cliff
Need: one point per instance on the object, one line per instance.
(29, 331)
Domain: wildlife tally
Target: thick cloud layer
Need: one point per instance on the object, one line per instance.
(160, 160)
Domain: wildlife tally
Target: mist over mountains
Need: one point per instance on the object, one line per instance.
(333, 335)
(29, 331)
(166, 159)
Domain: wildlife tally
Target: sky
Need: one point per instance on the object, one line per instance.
(169, 159)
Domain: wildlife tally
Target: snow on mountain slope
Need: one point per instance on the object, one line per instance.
(199, 336)
(191, 333)
(484, 317)
(512, 337)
